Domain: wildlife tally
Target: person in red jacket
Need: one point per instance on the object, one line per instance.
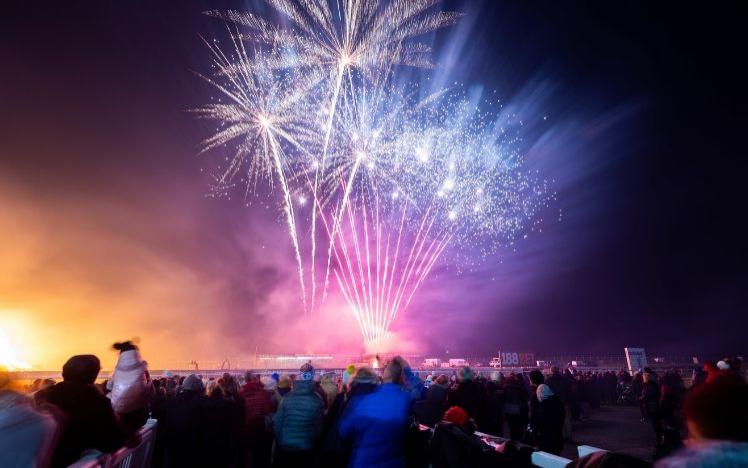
(259, 407)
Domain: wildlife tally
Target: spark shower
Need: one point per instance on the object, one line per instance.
(379, 178)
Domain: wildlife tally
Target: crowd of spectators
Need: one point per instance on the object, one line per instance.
(361, 418)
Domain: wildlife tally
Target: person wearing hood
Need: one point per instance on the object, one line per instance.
(90, 421)
(430, 410)
(131, 387)
(183, 424)
(27, 437)
(375, 424)
(549, 422)
(298, 422)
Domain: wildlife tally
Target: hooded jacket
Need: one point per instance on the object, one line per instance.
(376, 425)
(298, 421)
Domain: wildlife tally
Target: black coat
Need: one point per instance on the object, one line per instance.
(182, 430)
(452, 447)
(560, 386)
(549, 425)
(430, 411)
(650, 398)
(220, 438)
(89, 420)
(471, 397)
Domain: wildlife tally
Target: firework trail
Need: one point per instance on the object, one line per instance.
(261, 110)
(396, 177)
(347, 41)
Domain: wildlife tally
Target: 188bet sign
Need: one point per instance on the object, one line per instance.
(509, 359)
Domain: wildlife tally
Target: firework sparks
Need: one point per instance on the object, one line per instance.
(395, 181)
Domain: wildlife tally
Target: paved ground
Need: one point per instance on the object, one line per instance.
(614, 428)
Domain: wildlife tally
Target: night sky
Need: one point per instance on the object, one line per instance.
(106, 232)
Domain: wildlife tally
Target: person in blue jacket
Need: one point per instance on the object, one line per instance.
(298, 422)
(375, 425)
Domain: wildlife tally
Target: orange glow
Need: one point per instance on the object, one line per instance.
(8, 356)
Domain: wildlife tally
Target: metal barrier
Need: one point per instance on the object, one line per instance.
(126, 457)
(547, 460)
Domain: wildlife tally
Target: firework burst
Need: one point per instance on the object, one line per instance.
(398, 179)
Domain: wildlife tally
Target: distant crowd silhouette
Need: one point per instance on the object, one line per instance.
(362, 418)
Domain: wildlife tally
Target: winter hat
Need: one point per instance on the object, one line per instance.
(348, 373)
(466, 373)
(269, 383)
(285, 382)
(429, 380)
(306, 372)
(81, 369)
(543, 392)
(364, 375)
(723, 365)
(456, 416)
(192, 383)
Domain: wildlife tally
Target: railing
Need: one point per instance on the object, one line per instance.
(538, 458)
(548, 460)
(126, 457)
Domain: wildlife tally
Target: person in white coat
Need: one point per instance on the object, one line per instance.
(131, 387)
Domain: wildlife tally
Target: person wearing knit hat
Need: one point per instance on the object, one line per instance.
(348, 373)
(306, 372)
(298, 422)
(192, 384)
(284, 385)
(454, 442)
(90, 419)
(457, 416)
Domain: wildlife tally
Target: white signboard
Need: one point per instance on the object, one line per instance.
(636, 358)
